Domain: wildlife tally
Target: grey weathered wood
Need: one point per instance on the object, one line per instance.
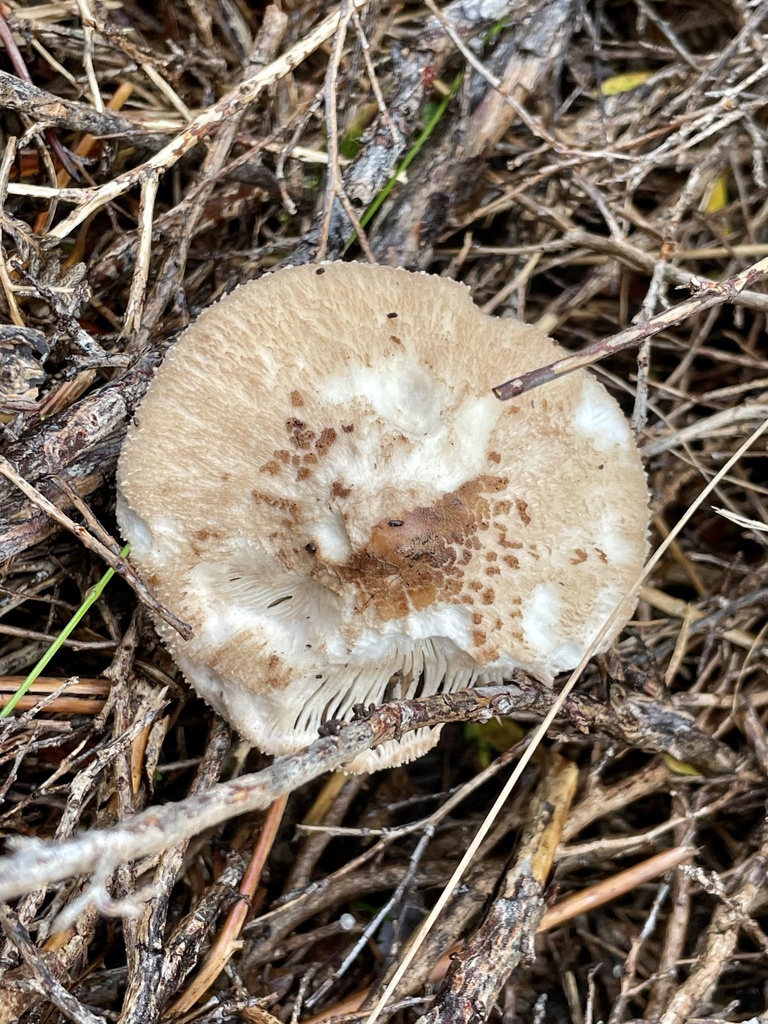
(81, 445)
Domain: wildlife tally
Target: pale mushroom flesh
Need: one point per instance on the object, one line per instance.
(322, 484)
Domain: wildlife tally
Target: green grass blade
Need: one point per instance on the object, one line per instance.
(410, 156)
(92, 597)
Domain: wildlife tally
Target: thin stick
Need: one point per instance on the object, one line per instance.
(505, 938)
(707, 294)
(614, 886)
(330, 98)
(38, 864)
(44, 977)
(93, 596)
(137, 297)
(19, 66)
(226, 943)
(9, 155)
(581, 902)
(532, 123)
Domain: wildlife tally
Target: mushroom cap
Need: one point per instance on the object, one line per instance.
(322, 484)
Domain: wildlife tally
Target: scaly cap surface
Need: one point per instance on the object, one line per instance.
(321, 482)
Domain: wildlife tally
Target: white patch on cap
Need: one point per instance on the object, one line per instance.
(331, 537)
(403, 392)
(454, 622)
(541, 619)
(448, 431)
(440, 621)
(609, 537)
(472, 424)
(134, 526)
(167, 535)
(604, 605)
(600, 419)
(565, 656)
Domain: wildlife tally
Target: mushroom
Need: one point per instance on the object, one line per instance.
(322, 484)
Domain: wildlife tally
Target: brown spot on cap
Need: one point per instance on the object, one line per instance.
(206, 534)
(431, 534)
(415, 556)
(422, 597)
(287, 505)
(301, 435)
(297, 398)
(325, 440)
(338, 490)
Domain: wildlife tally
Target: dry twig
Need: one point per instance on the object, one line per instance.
(155, 830)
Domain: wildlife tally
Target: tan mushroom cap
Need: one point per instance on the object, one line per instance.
(322, 484)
